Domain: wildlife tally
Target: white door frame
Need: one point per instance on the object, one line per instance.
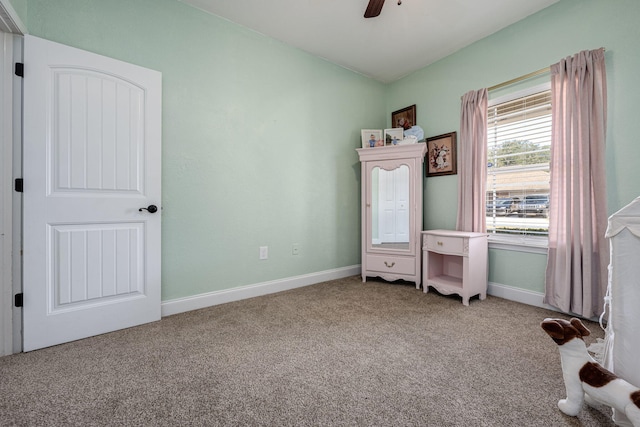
(6, 224)
(10, 22)
(11, 27)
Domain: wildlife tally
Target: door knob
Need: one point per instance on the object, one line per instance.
(150, 209)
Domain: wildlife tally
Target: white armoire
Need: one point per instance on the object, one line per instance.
(392, 211)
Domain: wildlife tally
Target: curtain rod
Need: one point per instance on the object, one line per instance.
(521, 78)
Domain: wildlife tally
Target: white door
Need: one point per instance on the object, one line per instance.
(393, 188)
(92, 152)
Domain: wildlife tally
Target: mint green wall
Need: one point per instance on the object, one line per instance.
(529, 45)
(20, 6)
(258, 140)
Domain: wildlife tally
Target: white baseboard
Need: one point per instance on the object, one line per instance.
(518, 295)
(195, 302)
(527, 297)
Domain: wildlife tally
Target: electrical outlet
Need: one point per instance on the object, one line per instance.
(295, 249)
(264, 252)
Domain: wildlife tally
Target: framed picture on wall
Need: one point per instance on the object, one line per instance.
(441, 155)
(404, 118)
(393, 136)
(372, 138)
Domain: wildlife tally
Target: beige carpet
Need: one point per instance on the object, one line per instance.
(340, 353)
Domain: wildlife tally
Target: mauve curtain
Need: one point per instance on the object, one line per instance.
(473, 161)
(576, 276)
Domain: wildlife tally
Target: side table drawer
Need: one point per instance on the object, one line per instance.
(445, 244)
(391, 264)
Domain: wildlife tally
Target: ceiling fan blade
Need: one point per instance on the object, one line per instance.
(373, 8)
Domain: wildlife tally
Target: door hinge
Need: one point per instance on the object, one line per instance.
(19, 185)
(19, 69)
(18, 300)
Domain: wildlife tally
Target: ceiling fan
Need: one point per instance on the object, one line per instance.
(374, 7)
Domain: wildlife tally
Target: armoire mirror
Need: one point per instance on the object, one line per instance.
(390, 213)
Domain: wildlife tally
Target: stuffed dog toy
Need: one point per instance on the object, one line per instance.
(584, 378)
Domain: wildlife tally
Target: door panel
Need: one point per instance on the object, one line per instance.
(95, 264)
(98, 132)
(91, 160)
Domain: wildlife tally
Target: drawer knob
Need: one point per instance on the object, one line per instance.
(389, 265)
(439, 243)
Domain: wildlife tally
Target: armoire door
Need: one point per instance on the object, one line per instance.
(92, 158)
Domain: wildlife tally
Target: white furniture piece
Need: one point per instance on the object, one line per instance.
(455, 262)
(392, 211)
(622, 303)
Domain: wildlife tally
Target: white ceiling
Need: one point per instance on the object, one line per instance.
(402, 39)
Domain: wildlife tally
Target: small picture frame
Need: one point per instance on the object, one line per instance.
(393, 136)
(372, 138)
(404, 118)
(441, 157)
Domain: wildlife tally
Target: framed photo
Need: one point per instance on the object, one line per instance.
(404, 118)
(441, 155)
(371, 138)
(393, 136)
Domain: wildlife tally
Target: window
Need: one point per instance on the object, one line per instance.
(518, 154)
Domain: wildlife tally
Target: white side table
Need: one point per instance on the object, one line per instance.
(455, 262)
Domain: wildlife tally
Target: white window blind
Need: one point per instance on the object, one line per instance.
(518, 153)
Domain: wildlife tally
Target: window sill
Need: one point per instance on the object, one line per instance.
(534, 245)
